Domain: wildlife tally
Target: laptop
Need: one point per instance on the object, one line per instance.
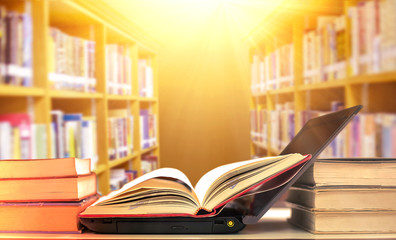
(312, 139)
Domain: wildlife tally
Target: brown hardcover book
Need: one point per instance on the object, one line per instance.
(42, 216)
(47, 189)
(44, 168)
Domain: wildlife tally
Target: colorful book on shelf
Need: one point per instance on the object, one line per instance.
(120, 133)
(46, 217)
(21, 136)
(168, 192)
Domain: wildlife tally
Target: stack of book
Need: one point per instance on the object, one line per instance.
(45, 195)
(20, 138)
(71, 62)
(74, 135)
(146, 78)
(120, 129)
(118, 69)
(355, 195)
(148, 129)
(15, 48)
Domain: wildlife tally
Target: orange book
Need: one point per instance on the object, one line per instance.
(47, 189)
(44, 168)
(43, 216)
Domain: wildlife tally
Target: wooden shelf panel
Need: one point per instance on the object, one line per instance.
(100, 169)
(144, 99)
(18, 91)
(117, 162)
(286, 90)
(323, 85)
(147, 150)
(74, 95)
(121, 98)
(373, 78)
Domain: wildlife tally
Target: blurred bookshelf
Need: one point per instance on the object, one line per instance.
(310, 59)
(82, 63)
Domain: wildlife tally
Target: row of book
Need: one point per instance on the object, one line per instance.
(148, 129)
(273, 71)
(120, 133)
(367, 135)
(15, 48)
(146, 78)
(74, 135)
(45, 195)
(118, 69)
(119, 177)
(330, 198)
(71, 62)
(20, 138)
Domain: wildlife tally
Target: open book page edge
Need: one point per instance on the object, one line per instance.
(212, 213)
(162, 172)
(210, 177)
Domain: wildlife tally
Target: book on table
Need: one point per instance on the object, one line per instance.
(168, 192)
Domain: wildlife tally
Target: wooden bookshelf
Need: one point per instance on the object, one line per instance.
(286, 25)
(97, 22)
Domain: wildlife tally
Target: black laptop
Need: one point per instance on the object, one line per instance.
(312, 139)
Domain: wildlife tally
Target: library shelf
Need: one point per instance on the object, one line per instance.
(74, 94)
(117, 162)
(20, 91)
(96, 22)
(363, 79)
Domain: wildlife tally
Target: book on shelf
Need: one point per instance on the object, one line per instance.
(44, 168)
(20, 138)
(74, 135)
(146, 78)
(47, 189)
(343, 221)
(119, 177)
(148, 131)
(337, 172)
(344, 198)
(15, 48)
(149, 163)
(43, 217)
(118, 69)
(120, 128)
(71, 62)
(168, 192)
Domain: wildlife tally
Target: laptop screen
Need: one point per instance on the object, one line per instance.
(312, 139)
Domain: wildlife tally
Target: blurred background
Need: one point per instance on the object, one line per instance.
(191, 84)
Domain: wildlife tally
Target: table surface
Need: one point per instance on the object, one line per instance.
(272, 226)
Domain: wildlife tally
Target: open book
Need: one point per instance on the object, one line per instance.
(168, 192)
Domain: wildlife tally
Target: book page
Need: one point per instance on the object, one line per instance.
(162, 172)
(210, 177)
